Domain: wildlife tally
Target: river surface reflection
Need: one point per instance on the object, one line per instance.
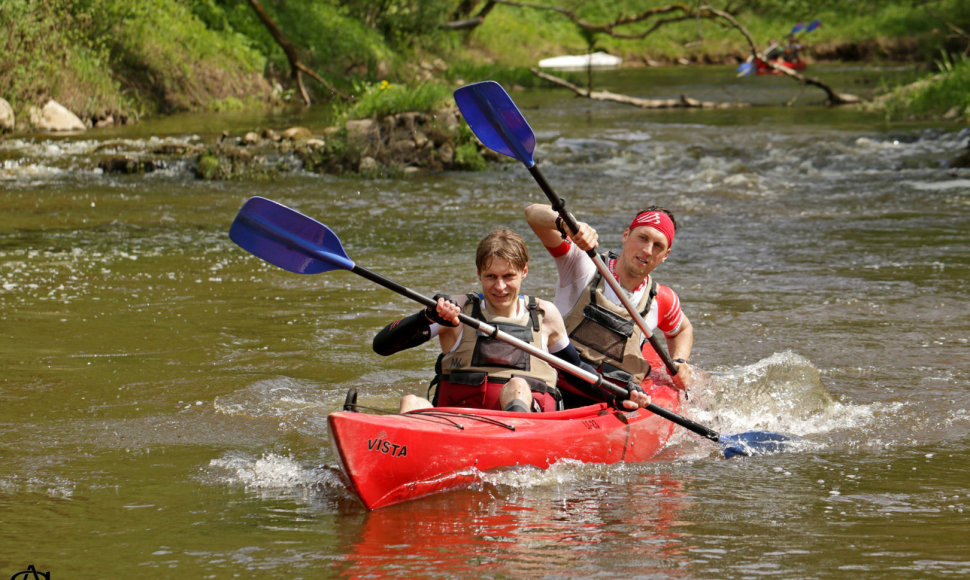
(164, 395)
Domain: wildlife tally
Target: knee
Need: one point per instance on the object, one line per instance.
(413, 402)
(517, 388)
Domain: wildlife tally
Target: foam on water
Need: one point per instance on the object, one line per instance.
(271, 475)
(36, 161)
(785, 393)
(295, 404)
(567, 473)
(50, 485)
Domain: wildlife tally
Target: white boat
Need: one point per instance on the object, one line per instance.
(581, 61)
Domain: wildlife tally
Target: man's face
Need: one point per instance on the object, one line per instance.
(644, 248)
(500, 284)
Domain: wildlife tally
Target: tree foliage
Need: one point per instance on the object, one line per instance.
(52, 49)
(101, 56)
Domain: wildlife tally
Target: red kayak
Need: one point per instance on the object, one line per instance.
(389, 459)
(763, 68)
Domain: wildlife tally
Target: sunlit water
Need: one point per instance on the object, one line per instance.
(164, 394)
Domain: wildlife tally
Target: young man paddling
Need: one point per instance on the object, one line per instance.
(599, 326)
(481, 371)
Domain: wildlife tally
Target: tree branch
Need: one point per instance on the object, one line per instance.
(297, 68)
(473, 22)
(660, 16)
(682, 102)
(685, 13)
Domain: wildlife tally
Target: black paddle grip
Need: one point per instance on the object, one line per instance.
(558, 203)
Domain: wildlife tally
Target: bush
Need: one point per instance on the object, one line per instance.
(469, 158)
(50, 53)
(172, 60)
(941, 94)
(404, 24)
(98, 57)
(383, 99)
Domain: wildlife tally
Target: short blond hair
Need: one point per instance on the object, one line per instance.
(505, 244)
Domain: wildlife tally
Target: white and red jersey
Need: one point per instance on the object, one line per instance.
(576, 271)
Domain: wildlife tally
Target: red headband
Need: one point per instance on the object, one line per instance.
(657, 220)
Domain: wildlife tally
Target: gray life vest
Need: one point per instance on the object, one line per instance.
(604, 333)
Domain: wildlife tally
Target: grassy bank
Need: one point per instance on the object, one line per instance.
(125, 59)
(128, 58)
(945, 94)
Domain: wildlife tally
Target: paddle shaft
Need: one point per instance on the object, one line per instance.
(500, 113)
(489, 330)
(559, 206)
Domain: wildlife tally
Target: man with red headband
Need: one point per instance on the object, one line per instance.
(599, 326)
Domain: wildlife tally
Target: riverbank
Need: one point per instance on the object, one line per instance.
(297, 140)
(114, 62)
(395, 146)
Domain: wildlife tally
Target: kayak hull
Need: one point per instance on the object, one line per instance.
(581, 61)
(389, 459)
(763, 68)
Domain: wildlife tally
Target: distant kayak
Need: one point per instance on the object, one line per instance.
(763, 68)
(581, 61)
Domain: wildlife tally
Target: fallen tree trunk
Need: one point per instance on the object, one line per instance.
(682, 102)
(834, 98)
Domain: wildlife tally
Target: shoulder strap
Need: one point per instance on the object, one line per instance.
(534, 313)
(476, 303)
(650, 296)
(598, 277)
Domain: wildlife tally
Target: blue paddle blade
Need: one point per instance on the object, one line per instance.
(745, 69)
(286, 238)
(755, 443)
(813, 25)
(496, 121)
(797, 28)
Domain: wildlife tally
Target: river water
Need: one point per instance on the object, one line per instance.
(164, 393)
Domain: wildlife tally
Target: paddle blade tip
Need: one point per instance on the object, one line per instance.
(496, 120)
(287, 239)
(753, 443)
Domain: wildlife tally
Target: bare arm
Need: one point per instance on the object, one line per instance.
(679, 346)
(553, 326)
(542, 220)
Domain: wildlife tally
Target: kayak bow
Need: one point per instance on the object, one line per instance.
(389, 459)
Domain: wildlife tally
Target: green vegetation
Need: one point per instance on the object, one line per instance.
(945, 94)
(383, 99)
(468, 158)
(47, 53)
(127, 58)
(883, 29)
(122, 58)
